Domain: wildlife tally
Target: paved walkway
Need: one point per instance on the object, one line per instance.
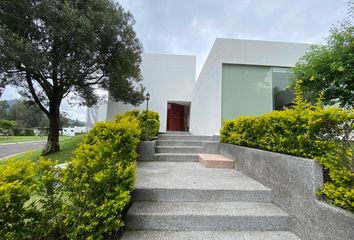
(183, 200)
(193, 176)
(176, 198)
(9, 149)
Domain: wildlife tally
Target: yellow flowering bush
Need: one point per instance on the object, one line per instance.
(308, 131)
(100, 179)
(30, 200)
(87, 200)
(149, 122)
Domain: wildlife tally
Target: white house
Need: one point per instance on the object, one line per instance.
(239, 77)
(73, 131)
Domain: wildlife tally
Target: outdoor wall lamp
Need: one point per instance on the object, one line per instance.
(147, 97)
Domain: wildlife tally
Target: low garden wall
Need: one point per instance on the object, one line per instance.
(146, 150)
(294, 182)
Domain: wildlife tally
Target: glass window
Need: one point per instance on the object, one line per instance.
(246, 90)
(283, 96)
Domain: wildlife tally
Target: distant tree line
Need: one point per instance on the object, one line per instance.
(26, 114)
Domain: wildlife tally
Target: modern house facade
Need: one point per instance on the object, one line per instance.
(239, 77)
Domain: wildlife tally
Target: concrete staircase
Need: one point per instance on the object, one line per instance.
(177, 198)
(183, 147)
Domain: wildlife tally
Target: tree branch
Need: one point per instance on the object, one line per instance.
(34, 95)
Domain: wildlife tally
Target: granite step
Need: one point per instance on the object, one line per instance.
(209, 235)
(206, 216)
(201, 195)
(176, 157)
(179, 143)
(179, 149)
(184, 137)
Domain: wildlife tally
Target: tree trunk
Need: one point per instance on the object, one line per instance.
(52, 144)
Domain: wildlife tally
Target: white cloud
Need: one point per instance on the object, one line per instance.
(191, 26)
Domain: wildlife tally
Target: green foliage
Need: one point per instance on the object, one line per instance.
(338, 195)
(26, 114)
(85, 201)
(23, 132)
(149, 123)
(48, 199)
(6, 124)
(329, 68)
(4, 106)
(29, 200)
(100, 179)
(306, 131)
(7, 127)
(16, 186)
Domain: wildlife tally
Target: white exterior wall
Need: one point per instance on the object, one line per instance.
(96, 114)
(263, 53)
(166, 78)
(206, 97)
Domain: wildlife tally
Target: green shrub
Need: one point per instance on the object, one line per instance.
(23, 132)
(29, 201)
(305, 131)
(6, 126)
(85, 201)
(149, 123)
(16, 186)
(48, 199)
(100, 178)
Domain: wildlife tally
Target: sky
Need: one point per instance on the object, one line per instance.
(191, 26)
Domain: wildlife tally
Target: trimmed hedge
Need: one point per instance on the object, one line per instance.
(149, 123)
(308, 131)
(100, 178)
(87, 200)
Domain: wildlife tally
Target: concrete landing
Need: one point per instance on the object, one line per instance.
(216, 161)
(191, 175)
(190, 182)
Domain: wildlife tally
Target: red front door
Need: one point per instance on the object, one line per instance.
(175, 117)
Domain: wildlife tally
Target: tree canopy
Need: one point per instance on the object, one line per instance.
(56, 49)
(26, 114)
(328, 69)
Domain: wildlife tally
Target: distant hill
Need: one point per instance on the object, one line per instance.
(11, 102)
(70, 122)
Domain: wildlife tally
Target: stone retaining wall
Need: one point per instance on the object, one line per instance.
(294, 182)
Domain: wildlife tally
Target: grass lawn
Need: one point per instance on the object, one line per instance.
(14, 139)
(67, 146)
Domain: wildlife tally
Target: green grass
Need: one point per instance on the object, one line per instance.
(15, 139)
(67, 146)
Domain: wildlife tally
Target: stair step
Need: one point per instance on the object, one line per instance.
(202, 216)
(184, 137)
(200, 195)
(179, 149)
(176, 157)
(216, 161)
(209, 235)
(177, 132)
(179, 143)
